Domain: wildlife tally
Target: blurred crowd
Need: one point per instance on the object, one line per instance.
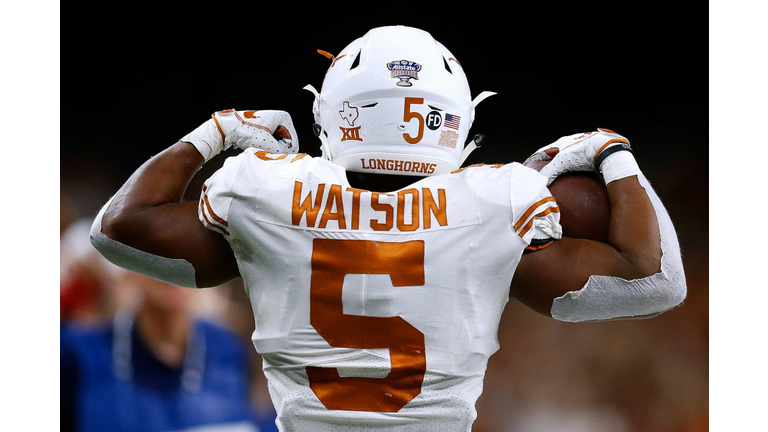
(139, 354)
(622, 376)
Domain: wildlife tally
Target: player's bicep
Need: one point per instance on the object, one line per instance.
(181, 235)
(168, 242)
(564, 266)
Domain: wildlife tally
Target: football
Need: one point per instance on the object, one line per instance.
(585, 210)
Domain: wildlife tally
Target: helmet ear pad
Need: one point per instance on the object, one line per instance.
(395, 101)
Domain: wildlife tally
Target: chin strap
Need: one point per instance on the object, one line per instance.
(316, 128)
(477, 140)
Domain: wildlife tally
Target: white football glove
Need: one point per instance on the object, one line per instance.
(269, 130)
(603, 151)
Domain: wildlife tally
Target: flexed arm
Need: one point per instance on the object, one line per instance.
(147, 229)
(638, 273)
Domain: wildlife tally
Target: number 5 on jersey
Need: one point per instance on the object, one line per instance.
(333, 259)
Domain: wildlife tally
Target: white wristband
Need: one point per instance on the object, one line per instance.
(207, 139)
(619, 165)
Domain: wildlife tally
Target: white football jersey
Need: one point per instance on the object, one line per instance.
(375, 311)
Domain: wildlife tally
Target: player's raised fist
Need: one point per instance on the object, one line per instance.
(270, 130)
(578, 152)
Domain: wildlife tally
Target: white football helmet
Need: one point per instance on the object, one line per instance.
(395, 101)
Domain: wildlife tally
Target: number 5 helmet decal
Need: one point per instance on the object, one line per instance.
(395, 101)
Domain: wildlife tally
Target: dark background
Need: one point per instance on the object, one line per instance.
(137, 79)
(136, 82)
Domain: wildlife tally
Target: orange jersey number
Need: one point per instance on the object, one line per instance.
(332, 259)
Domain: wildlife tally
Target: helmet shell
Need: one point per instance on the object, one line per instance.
(395, 101)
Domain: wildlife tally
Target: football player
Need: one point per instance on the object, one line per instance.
(378, 272)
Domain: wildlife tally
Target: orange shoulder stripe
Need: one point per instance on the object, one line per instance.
(529, 225)
(521, 220)
(205, 209)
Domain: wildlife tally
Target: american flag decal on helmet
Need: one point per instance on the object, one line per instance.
(452, 121)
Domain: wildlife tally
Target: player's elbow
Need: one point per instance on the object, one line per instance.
(665, 287)
(607, 298)
(115, 222)
(101, 230)
(667, 295)
(110, 224)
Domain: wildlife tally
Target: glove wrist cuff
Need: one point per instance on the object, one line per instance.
(207, 139)
(617, 164)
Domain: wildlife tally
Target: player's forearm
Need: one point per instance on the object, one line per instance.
(161, 180)
(658, 287)
(639, 273)
(634, 228)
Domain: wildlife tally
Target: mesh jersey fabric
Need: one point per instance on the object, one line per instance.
(375, 311)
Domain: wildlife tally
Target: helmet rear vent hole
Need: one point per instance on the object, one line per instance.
(356, 61)
(447, 66)
(371, 105)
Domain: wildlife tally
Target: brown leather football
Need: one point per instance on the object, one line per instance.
(585, 210)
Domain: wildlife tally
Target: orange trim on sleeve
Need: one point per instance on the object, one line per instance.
(206, 205)
(211, 224)
(210, 209)
(539, 247)
(529, 225)
(531, 209)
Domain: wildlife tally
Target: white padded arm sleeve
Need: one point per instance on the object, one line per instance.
(174, 271)
(607, 297)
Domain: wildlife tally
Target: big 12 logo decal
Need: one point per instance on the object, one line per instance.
(350, 114)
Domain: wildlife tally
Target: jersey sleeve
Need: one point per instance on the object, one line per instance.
(535, 213)
(237, 184)
(217, 197)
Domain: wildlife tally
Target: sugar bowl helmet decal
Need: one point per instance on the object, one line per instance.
(405, 70)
